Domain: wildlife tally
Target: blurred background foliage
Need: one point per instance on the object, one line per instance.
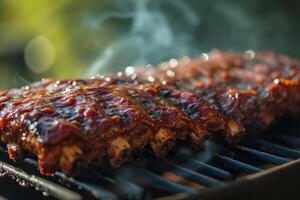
(69, 38)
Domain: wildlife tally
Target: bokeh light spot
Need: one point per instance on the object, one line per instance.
(39, 54)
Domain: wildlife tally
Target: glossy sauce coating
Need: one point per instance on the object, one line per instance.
(70, 123)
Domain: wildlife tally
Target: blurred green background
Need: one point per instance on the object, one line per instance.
(65, 39)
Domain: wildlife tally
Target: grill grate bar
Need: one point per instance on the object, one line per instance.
(186, 173)
(47, 186)
(290, 140)
(194, 176)
(128, 188)
(95, 190)
(211, 170)
(238, 165)
(162, 183)
(281, 149)
(263, 156)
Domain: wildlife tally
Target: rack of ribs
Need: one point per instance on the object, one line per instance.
(70, 123)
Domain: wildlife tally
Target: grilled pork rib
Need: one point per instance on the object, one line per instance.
(75, 122)
(248, 87)
(76, 126)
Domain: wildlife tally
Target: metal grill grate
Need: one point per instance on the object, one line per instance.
(183, 174)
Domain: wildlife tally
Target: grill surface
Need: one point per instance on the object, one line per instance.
(185, 174)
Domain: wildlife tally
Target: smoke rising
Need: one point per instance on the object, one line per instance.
(151, 37)
(161, 30)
